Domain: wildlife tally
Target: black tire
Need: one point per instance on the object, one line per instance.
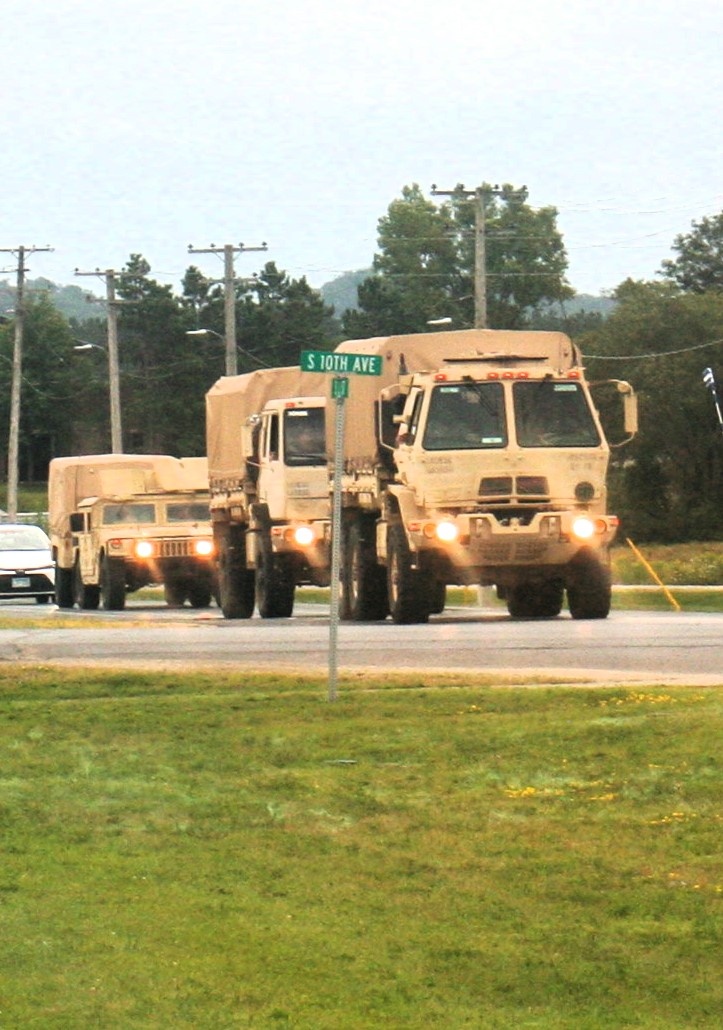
(199, 594)
(536, 600)
(87, 596)
(112, 584)
(438, 597)
(64, 596)
(235, 580)
(409, 589)
(589, 592)
(275, 583)
(174, 593)
(363, 582)
(42, 598)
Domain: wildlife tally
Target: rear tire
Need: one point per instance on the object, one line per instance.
(199, 595)
(64, 596)
(174, 594)
(536, 600)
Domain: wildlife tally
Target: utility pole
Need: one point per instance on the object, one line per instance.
(229, 295)
(709, 380)
(116, 431)
(17, 377)
(480, 252)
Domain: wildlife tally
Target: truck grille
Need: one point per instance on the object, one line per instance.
(175, 549)
(514, 490)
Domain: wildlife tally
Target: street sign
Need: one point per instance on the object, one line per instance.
(339, 387)
(341, 364)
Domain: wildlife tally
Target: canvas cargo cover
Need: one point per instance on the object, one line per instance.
(426, 352)
(117, 475)
(233, 399)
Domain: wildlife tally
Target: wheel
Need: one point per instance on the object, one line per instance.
(363, 582)
(64, 597)
(274, 583)
(174, 593)
(536, 600)
(438, 597)
(409, 589)
(235, 580)
(112, 584)
(41, 598)
(589, 592)
(199, 594)
(85, 596)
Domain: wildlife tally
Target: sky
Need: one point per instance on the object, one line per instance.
(146, 126)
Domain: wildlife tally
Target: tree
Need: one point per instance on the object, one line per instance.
(668, 483)
(425, 268)
(699, 265)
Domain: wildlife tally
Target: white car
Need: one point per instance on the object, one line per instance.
(26, 564)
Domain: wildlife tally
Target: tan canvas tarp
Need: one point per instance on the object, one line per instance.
(233, 399)
(426, 352)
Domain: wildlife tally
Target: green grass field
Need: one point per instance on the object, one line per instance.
(232, 851)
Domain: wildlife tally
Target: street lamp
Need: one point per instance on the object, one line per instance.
(116, 435)
(231, 368)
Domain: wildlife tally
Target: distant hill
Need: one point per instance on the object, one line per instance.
(342, 294)
(71, 301)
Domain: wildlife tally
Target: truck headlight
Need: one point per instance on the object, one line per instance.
(144, 549)
(447, 532)
(304, 535)
(203, 548)
(583, 528)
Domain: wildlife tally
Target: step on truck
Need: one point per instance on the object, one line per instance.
(119, 522)
(477, 459)
(269, 486)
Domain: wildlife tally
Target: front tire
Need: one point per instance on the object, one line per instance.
(409, 588)
(274, 584)
(235, 580)
(112, 584)
(364, 585)
(589, 592)
(536, 600)
(85, 596)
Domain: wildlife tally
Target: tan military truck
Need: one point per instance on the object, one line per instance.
(269, 487)
(119, 522)
(478, 457)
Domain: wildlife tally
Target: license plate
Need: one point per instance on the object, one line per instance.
(21, 583)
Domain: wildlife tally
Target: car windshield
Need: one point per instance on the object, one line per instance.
(304, 436)
(187, 511)
(553, 414)
(465, 416)
(23, 538)
(113, 514)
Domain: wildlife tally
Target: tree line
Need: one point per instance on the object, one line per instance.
(667, 484)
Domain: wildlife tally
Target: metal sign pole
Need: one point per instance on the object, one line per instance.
(340, 386)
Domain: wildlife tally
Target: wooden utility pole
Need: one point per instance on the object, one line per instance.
(116, 430)
(229, 295)
(17, 377)
(480, 243)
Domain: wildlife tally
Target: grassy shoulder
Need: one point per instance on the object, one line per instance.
(197, 851)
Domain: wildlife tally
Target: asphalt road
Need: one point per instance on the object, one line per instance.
(663, 647)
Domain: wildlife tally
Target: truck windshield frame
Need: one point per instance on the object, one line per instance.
(304, 436)
(465, 416)
(553, 413)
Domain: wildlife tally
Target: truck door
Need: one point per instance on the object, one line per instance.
(271, 485)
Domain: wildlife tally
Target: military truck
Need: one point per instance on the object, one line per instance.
(269, 488)
(478, 459)
(119, 522)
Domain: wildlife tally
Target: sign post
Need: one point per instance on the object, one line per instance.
(341, 366)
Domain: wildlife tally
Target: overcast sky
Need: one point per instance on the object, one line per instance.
(143, 126)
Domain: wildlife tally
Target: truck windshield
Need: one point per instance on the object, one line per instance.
(553, 414)
(187, 511)
(113, 514)
(465, 416)
(304, 436)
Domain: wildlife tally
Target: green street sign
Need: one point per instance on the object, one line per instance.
(341, 364)
(339, 387)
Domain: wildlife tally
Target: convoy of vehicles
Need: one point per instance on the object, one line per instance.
(477, 457)
(119, 522)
